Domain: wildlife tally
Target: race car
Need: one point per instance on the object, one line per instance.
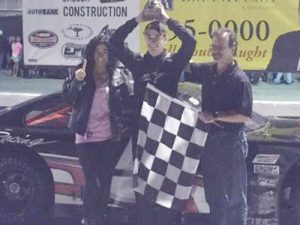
(41, 177)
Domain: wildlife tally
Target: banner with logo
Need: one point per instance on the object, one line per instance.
(258, 23)
(55, 32)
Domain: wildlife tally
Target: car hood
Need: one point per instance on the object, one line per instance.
(285, 130)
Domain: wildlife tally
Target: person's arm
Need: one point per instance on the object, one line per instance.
(73, 85)
(120, 48)
(229, 117)
(194, 72)
(71, 89)
(184, 54)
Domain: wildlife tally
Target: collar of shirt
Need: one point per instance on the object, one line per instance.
(228, 73)
(160, 57)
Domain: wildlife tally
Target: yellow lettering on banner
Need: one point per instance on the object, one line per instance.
(257, 23)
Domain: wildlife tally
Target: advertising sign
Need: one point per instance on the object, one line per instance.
(55, 32)
(258, 23)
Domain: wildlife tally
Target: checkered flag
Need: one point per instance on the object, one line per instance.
(169, 144)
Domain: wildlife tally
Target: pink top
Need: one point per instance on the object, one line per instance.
(98, 127)
(16, 48)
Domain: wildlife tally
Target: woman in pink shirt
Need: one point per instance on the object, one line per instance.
(101, 122)
(17, 53)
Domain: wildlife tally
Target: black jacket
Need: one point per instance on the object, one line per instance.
(286, 53)
(162, 71)
(122, 107)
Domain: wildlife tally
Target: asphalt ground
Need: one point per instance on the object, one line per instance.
(277, 99)
(14, 90)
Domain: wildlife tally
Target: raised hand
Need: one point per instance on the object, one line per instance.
(80, 74)
(163, 14)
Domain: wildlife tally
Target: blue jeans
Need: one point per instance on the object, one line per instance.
(225, 177)
(288, 78)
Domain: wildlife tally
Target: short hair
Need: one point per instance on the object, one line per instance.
(232, 43)
(156, 25)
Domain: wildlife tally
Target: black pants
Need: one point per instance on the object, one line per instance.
(149, 213)
(98, 160)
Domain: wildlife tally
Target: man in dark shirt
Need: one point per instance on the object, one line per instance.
(286, 52)
(226, 106)
(161, 69)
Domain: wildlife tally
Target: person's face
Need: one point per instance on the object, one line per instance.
(101, 55)
(101, 58)
(221, 50)
(155, 42)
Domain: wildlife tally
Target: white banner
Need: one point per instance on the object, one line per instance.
(56, 31)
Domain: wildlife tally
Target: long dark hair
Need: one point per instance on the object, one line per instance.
(89, 56)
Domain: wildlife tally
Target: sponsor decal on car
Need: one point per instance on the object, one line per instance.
(6, 137)
(262, 221)
(43, 39)
(266, 158)
(77, 31)
(267, 169)
(264, 180)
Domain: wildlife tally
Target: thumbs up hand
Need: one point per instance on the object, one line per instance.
(80, 74)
